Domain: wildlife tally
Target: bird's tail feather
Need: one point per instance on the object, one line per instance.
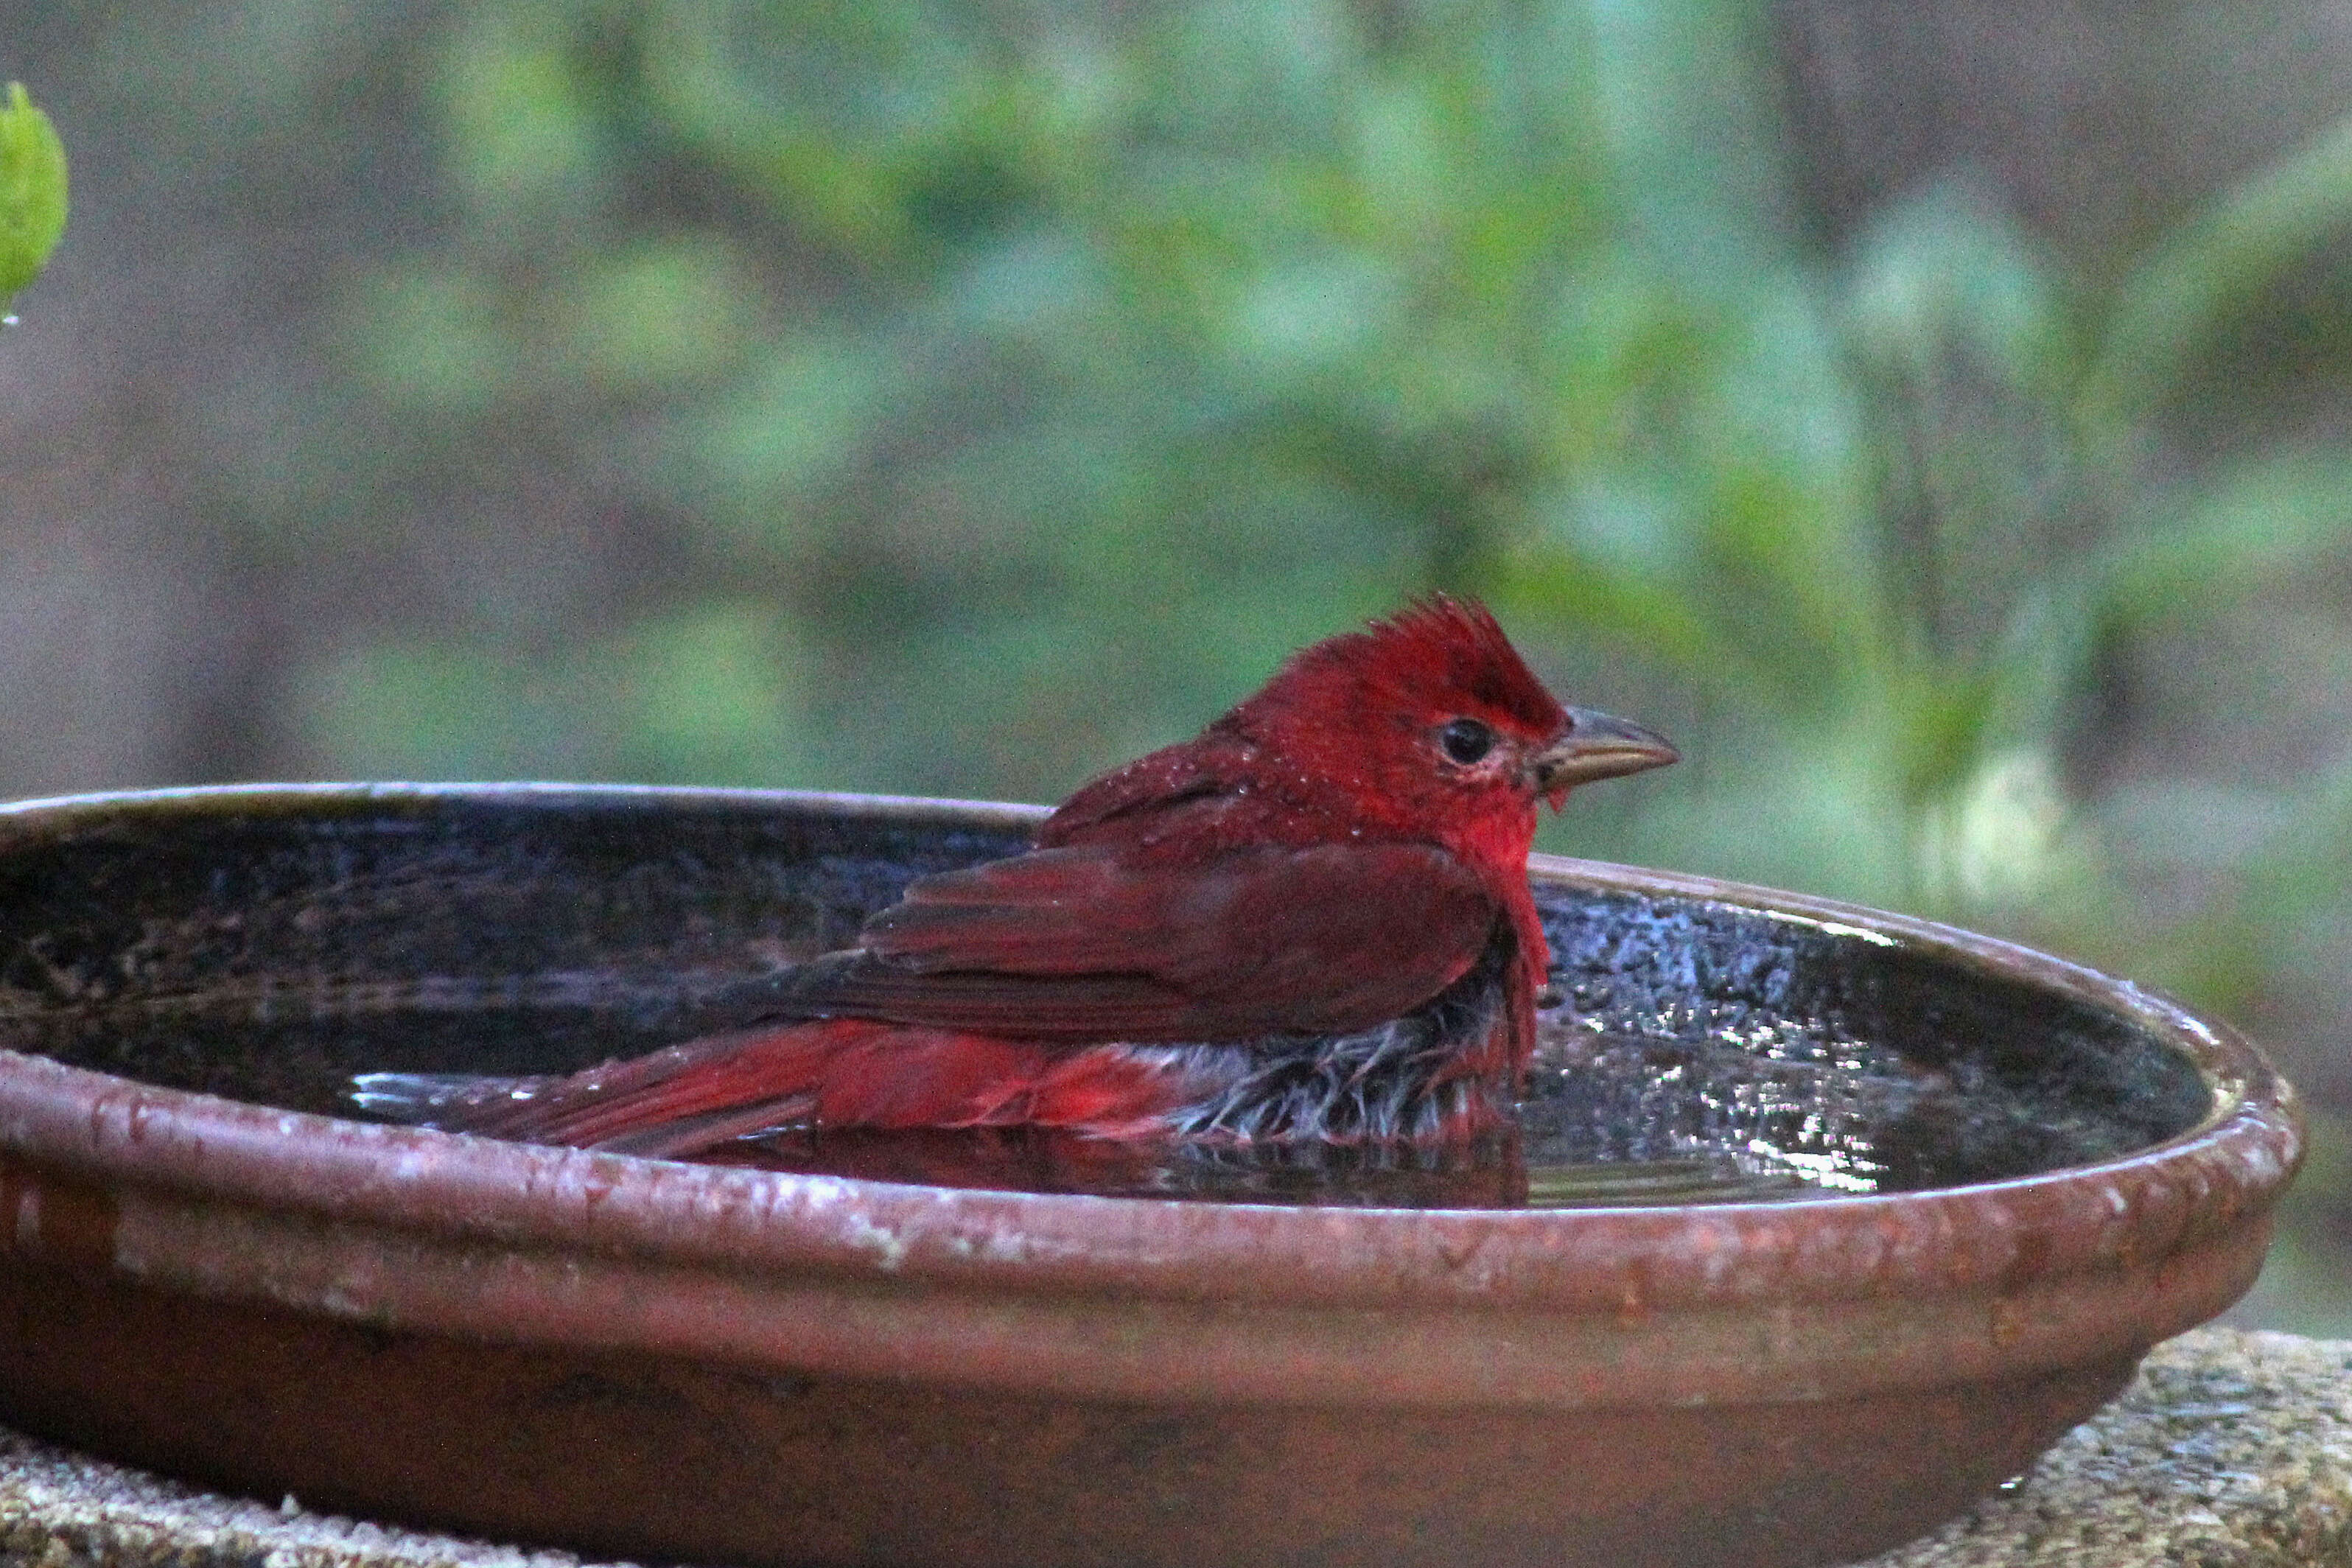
(839, 1072)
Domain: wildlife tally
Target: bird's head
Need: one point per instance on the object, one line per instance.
(1431, 720)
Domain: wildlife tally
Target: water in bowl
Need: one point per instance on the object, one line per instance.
(1692, 1050)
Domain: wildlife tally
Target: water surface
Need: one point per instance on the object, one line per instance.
(1691, 1050)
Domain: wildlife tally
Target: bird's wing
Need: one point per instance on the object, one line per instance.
(1093, 943)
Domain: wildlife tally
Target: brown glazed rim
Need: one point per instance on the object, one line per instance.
(1140, 1297)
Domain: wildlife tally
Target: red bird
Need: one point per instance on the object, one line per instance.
(1312, 922)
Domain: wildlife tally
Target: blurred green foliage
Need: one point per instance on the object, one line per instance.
(1057, 373)
(32, 191)
(1046, 373)
(1027, 379)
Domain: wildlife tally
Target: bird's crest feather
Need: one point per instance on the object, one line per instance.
(1438, 647)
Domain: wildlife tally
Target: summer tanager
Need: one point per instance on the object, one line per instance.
(1311, 922)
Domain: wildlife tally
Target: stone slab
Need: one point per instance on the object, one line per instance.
(2232, 1449)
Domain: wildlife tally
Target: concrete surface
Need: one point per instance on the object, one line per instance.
(2232, 1450)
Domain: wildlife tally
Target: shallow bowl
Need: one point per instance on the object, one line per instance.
(208, 1272)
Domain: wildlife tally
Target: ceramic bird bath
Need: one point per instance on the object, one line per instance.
(1824, 1223)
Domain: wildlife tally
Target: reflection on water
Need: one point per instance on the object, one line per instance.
(1694, 1105)
(1492, 1173)
(1610, 1119)
(1607, 1123)
(1039, 1160)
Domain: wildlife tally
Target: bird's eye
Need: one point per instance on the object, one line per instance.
(1465, 741)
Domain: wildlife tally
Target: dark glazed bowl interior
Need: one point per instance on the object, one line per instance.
(1948, 1191)
(1690, 1047)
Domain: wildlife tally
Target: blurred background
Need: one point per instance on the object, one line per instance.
(1937, 418)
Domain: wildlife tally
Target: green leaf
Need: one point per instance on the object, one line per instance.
(1941, 275)
(32, 191)
(660, 313)
(523, 138)
(2196, 558)
(2209, 270)
(797, 427)
(1646, 612)
(2258, 522)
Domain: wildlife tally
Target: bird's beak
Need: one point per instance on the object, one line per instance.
(1597, 746)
